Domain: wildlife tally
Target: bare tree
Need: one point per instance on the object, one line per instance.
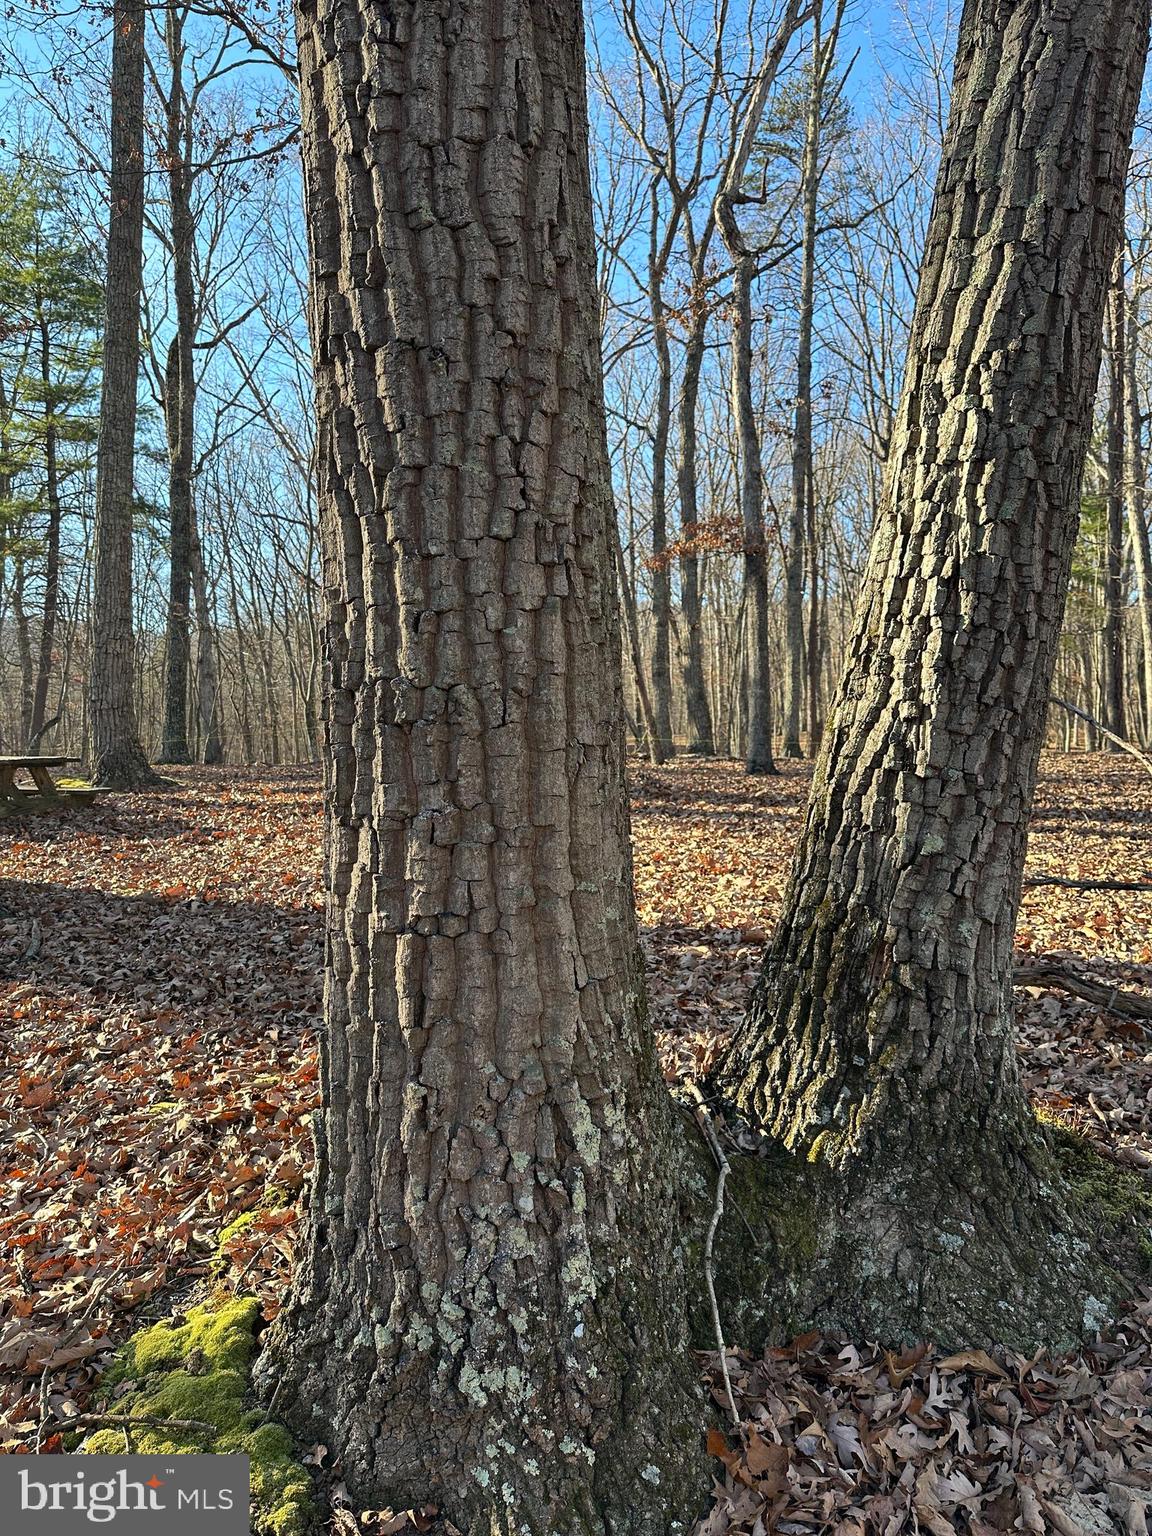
(487, 1254)
(115, 753)
(879, 1046)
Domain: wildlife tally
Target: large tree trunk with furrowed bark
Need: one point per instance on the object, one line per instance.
(879, 1046)
(115, 755)
(490, 1309)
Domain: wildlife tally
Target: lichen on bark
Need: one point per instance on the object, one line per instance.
(491, 1253)
(879, 1044)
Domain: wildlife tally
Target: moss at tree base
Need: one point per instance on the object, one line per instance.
(967, 1255)
(200, 1369)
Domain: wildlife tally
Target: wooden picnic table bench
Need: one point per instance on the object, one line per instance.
(44, 792)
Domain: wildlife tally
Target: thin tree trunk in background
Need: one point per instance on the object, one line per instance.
(1137, 517)
(23, 649)
(207, 668)
(661, 574)
(51, 608)
(814, 650)
(243, 704)
(115, 755)
(758, 758)
(179, 408)
(628, 607)
(799, 519)
(701, 738)
(1113, 638)
(879, 1045)
(488, 1254)
(756, 695)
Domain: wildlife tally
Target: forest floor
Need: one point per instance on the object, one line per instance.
(159, 995)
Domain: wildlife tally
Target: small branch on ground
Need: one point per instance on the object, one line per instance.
(1090, 885)
(704, 1120)
(124, 1421)
(1128, 1005)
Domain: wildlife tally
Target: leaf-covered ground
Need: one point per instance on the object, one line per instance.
(159, 992)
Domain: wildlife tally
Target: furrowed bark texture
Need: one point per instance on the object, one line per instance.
(491, 1310)
(115, 754)
(880, 1043)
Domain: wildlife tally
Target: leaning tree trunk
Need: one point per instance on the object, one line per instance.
(114, 750)
(879, 1046)
(492, 1263)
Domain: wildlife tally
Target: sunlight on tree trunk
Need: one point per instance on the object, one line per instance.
(880, 1042)
(493, 1254)
(115, 754)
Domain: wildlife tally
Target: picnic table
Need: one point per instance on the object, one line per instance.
(43, 793)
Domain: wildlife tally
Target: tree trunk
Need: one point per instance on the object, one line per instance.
(23, 648)
(207, 668)
(115, 754)
(879, 1045)
(179, 411)
(1137, 516)
(800, 512)
(47, 647)
(632, 630)
(814, 650)
(759, 759)
(1114, 713)
(492, 1253)
(701, 738)
(661, 573)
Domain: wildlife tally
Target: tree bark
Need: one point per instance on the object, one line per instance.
(23, 648)
(801, 512)
(701, 739)
(1137, 515)
(759, 759)
(1114, 713)
(51, 609)
(179, 408)
(116, 757)
(627, 601)
(492, 1257)
(207, 668)
(879, 1044)
(661, 572)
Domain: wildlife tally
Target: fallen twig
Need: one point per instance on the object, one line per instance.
(126, 1421)
(72, 1334)
(1129, 1005)
(704, 1120)
(1090, 885)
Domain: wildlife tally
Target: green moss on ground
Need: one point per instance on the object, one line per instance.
(199, 1369)
(1116, 1201)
